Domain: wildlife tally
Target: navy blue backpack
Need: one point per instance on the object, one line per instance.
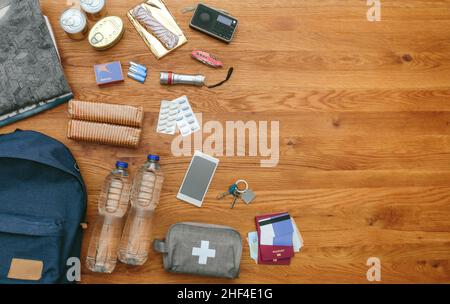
(42, 205)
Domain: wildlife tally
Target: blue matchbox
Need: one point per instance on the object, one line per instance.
(107, 73)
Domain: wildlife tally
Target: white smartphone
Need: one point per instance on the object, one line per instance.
(197, 179)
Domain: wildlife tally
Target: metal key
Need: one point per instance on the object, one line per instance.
(231, 190)
(236, 195)
(239, 191)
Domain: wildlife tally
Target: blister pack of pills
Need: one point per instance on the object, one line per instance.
(168, 113)
(186, 120)
(177, 113)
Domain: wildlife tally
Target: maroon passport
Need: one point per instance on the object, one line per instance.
(272, 255)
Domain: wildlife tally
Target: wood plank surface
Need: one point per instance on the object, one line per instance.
(364, 114)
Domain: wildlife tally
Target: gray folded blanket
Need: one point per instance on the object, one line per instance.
(31, 77)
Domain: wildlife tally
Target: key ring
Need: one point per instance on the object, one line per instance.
(241, 181)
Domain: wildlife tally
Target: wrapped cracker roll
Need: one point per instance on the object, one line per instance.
(106, 113)
(104, 133)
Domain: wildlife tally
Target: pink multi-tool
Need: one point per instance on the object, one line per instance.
(207, 59)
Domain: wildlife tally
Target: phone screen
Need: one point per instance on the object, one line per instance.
(198, 177)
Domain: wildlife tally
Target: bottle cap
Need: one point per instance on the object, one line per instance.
(153, 157)
(120, 164)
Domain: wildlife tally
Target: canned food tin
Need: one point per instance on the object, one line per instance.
(74, 23)
(106, 33)
(94, 9)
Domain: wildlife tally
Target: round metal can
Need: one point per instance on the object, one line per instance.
(74, 23)
(94, 9)
(106, 33)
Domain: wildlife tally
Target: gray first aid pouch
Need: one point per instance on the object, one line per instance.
(201, 249)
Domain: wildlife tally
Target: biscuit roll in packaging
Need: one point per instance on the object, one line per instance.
(104, 133)
(106, 113)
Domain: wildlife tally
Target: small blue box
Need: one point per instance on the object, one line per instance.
(107, 73)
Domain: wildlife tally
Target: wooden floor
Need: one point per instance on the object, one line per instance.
(364, 112)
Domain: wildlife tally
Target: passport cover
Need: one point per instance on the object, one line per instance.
(273, 261)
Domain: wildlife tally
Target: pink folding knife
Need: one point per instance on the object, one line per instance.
(207, 59)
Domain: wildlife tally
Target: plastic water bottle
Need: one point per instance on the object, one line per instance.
(112, 207)
(137, 234)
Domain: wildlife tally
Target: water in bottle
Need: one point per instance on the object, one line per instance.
(137, 234)
(112, 206)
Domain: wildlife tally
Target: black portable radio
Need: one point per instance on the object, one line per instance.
(214, 23)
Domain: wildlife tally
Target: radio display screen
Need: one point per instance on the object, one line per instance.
(224, 20)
